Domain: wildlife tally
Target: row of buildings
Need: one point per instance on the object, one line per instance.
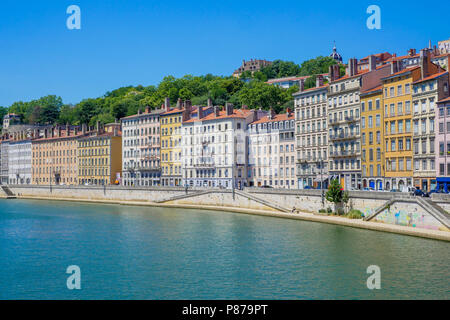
(383, 125)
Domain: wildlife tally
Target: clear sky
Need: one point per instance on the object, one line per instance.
(133, 42)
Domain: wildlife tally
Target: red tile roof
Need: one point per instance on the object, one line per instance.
(409, 69)
(312, 89)
(237, 113)
(176, 110)
(152, 112)
(372, 90)
(63, 136)
(444, 100)
(433, 76)
(277, 117)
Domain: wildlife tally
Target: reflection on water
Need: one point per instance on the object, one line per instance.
(127, 252)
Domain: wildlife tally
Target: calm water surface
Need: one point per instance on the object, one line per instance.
(127, 252)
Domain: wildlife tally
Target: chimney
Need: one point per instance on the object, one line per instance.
(394, 66)
(271, 114)
(216, 111)
(244, 107)
(255, 115)
(200, 112)
(59, 131)
(188, 106)
(147, 109)
(209, 102)
(139, 111)
(67, 129)
(75, 130)
(411, 52)
(229, 108)
(319, 80)
(352, 67)
(288, 111)
(97, 125)
(372, 62)
(167, 103)
(424, 60)
(302, 85)
(83, 128)
(179, 103)
(334, 72)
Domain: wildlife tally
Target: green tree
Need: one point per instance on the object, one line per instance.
(281, 69)
(335, 192)
(317, 65)
(257, 94)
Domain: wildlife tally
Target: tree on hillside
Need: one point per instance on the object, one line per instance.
(281, 69)
(257, 94)
(316, 66)
(3, 113)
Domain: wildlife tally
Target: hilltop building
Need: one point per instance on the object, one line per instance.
(252, 65)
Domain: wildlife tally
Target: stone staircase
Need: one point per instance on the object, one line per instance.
(262, 201)
(380, 209)
(432, 208)
(436, 211)
(184, 196)
(9, 194)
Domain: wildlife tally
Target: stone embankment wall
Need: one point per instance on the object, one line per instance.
(405, 211)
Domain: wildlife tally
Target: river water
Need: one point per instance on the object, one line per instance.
(127, 252)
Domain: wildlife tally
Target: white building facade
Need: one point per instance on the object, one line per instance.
(272, 158)
(141, 148)
(214, 148)
(19, 162)
(312, 136)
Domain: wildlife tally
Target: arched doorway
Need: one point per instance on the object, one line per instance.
(388, 185)
(401, 185)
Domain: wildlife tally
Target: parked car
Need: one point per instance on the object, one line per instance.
(394, 190)
(265, 186)
(307, 188)
(419, 193)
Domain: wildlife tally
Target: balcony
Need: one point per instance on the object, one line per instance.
(344, 136)
(345, 153)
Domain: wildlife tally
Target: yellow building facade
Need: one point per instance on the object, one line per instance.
(372, 139)
(100, 157)
(171, 149)
(397, 99)
(54, 157)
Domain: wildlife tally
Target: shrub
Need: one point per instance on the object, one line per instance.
(354, 214)
(329, 210)
(322, 211)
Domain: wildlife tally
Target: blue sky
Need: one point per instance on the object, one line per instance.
(139, 42)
